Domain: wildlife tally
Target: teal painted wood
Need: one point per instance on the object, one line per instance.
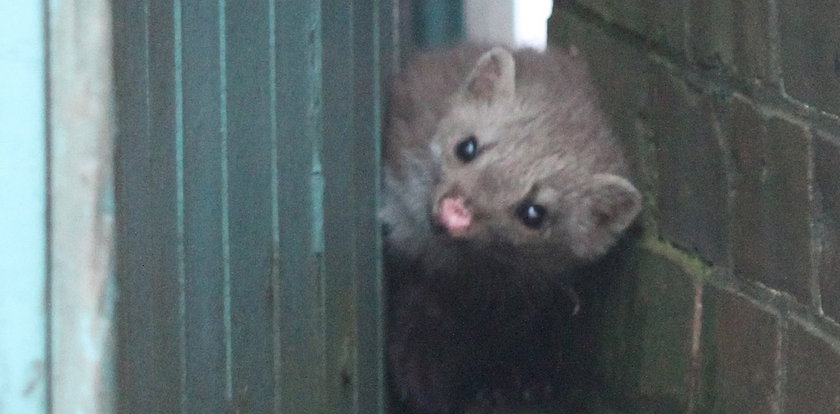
(374, 49)
(201, 115)
(162, 261)
(437, 23)
(248, 181)
(360, 41)
(134, 314)
(150, 340)
(301, 362)
(251, 178)
(23, 241)
(339, 192)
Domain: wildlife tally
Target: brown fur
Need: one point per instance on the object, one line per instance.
(541, 139)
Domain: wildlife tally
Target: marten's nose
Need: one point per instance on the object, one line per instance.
(454, 216)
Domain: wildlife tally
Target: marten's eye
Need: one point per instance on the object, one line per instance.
(531, 215)
(467, 149)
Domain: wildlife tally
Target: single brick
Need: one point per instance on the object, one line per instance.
(661, 22)
(810, 47)
(647, 333)
(748, 134)
(740, 346)
(752, 30)
(788, 206)
(771, 211)
(692, 186)
(827, 184)
(813, 374)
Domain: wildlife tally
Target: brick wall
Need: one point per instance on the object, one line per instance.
(730, 111)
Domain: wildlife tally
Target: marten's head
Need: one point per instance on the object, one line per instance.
(527, 177)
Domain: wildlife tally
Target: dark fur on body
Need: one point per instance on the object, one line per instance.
(476, 314)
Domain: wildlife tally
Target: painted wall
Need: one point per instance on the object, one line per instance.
(23, 202)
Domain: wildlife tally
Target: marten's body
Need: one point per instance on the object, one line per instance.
(501, 178)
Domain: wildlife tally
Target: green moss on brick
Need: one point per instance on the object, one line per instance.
(690, 263)
(647, 330)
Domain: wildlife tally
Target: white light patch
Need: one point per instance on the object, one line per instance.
(530, 23)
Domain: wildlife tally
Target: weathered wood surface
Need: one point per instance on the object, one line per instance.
(81, 215)
(247, 182)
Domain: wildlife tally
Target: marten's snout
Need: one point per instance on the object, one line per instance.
(453, 215)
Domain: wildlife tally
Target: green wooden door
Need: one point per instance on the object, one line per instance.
(247, 183)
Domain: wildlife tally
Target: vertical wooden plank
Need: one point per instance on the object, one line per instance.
(163, 261)
(352, 57)
(371, 46)
(81, 207)
(276, 253)
(150, 230)
(250, 178)
(205, 259)
(135, 380)
(299, 295)
(339, 206)
(389, 37)
(23, 241)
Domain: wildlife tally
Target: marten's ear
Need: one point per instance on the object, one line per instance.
(609, 204)
(492, 78)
